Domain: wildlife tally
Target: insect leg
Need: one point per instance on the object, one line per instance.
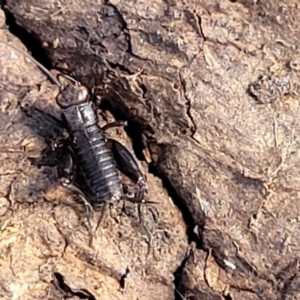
(67, 173)
(127, 164)
(114, 124)
(102, 216)
(51, 154)
(66, 168)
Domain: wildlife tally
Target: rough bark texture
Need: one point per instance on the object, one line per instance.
(211, 91)
(44, 230)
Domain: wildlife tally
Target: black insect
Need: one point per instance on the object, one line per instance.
(98, 157)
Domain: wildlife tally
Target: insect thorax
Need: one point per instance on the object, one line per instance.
(79, 116)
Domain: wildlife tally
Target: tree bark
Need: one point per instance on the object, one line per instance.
(210, 90)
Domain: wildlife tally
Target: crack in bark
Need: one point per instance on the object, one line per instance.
(188, 104)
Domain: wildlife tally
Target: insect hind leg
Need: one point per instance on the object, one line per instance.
(103, 214)
(67, 174)
(104, 209)
(114, 124)
(127, 164)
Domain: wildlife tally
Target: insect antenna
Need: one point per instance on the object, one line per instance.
(47, 72)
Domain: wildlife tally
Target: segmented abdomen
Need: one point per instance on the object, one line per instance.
(97, 164)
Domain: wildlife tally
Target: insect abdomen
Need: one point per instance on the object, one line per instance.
(97, 164)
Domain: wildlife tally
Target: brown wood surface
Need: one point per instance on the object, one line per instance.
(211, 92)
